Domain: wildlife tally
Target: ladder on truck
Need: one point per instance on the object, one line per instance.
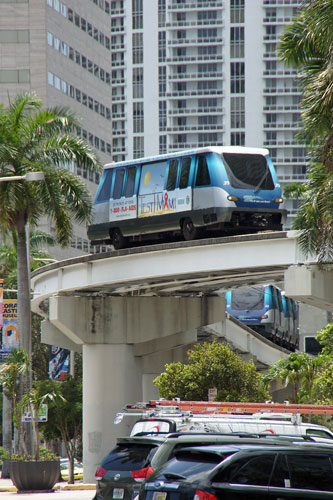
(220, 408)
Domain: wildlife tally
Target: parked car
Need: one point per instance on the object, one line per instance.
(122, 470)
(135, 458)
(249, 472)
(64, 469)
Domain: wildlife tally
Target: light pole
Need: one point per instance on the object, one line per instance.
(7, 420)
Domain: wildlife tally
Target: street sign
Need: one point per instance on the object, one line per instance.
(42, 415)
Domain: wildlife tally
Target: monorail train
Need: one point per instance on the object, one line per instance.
(267, 310)
(221, 190)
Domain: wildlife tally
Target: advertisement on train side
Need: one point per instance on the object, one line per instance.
(154, 200)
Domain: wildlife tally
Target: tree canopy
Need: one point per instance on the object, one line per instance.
(212, 365)
(307, 44)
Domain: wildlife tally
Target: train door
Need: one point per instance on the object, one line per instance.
(279, 312)
(178, 194)
(201, 195)
(123, 203)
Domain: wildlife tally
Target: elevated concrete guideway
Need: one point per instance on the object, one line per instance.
(132, 311)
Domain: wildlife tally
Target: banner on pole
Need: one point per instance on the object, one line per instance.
(10, 335)
(59, 363)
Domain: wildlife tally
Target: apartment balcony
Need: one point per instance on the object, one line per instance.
(117, 64)
(175, 6)
(281, 126)
(118, 116)
(195, 76)
(271, 55)
(118, 99)
(117, 13)
(281, 3)
(118, 82)
(282, 91)
(116, 30)
(119, 149)
(283, 109)
(194, 23)
(196, 111)
(277, 20)
(280, 72)
(181, 42)
(195, 93)
(119, 133)
(195, 128)
(193, 59)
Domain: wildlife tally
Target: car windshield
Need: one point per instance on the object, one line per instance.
(128, 457)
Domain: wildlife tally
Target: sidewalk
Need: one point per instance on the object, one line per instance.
(7, 485)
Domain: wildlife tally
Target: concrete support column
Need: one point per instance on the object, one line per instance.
(112, 377)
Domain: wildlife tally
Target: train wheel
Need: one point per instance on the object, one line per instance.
(118, 239)
(190, 232)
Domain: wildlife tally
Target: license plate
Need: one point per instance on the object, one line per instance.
(118, 493)
(159, 495)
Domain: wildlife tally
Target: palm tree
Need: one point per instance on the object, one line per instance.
(307, 44)
(33, 139)
(8, 257)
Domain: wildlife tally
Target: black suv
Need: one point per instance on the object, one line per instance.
(246, 472)
(120, 474)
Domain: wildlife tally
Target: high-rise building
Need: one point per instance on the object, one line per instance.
(150, 77)
(189, 73)
(62, 51)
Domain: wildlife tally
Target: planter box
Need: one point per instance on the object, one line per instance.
(34, 475)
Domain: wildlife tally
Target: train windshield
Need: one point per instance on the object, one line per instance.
(248, 299)
(248, 171)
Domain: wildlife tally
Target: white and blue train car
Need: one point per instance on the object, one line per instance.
(266, 309)
(220, 190)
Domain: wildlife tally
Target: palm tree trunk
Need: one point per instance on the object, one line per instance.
(24, 311)
(23, 286)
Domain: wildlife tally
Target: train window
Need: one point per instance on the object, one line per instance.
(185, 172)
(104, 193)
(248, 171)
(118, 183)
(203, 177)
(172, 175)
(130, 182)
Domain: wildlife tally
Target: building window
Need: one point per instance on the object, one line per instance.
(137, 83)
(161, 13)
(137, 50)
(161, 46)
(237, 11)
(162, 105)
(237, 83)
(237, 139)
(237, 42)
(138, 147)
(138, 117)
(237, 112)
(162, 81)
(137, 14)
(162, 144)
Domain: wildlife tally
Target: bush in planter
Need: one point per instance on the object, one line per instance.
(4, 455)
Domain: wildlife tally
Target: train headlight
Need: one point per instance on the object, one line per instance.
(278, 200)
(265, 316)
(230, 197)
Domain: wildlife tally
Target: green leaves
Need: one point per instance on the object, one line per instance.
(211, 365)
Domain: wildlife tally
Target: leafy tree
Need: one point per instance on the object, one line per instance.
(34, 139)
(307, 44)
(212, 365)
(300, 372)
(64, 415)
(13, 373)
(325, 338)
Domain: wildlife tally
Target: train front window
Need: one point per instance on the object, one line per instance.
(248, 171)
(247, 299)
